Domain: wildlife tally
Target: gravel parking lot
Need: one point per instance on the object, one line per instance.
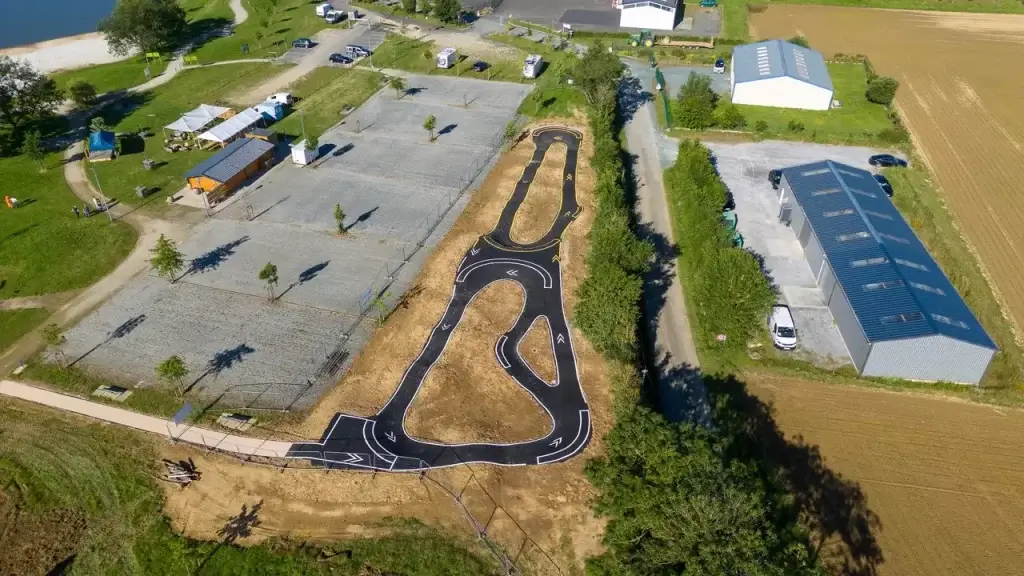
(401, 194)
(744, 169)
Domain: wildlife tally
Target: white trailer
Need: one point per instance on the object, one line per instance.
(447, 58)
(323, 9)
(532, 66)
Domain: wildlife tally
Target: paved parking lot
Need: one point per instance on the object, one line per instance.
(676, 76)
(401, 194)
(744, 169)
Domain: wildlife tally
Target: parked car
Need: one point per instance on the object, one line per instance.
(356, 51)
(719, 66)
(337, 58)
(480, 66)
(884, 183)
(887, 160)
(334, 16)
(782, 327)
(302, 43)
(775, 176)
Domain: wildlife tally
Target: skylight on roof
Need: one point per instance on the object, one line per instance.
(927, 288)
(910, 264)
(901, 318)
(878, 215)
(950, 321)
(883, 285)
(854, 236)
(843, 212)
(862, 193)
(825, 191)
(893, 238)
(869, 262)
(815, 172)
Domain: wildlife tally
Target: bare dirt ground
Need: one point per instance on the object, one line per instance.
(540, 514)
(961, 102)
(945, 478)
(544, 201)
(536, 349)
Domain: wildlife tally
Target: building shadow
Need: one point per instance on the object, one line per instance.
(213, 259)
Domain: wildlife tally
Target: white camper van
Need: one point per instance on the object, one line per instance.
(532, 66)
(782, 327)
(447, 58)
(323, 9)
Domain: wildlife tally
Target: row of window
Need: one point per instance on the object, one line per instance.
(899, 284)
(883, 260)
(917, 316)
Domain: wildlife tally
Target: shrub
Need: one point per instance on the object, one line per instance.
(800, 41)
(696, 103)
(731, 118)
(761, 127)
(882, 90)
(82, 93)
(795, 126)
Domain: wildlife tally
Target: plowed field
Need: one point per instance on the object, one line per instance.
(945, 478)
(960, 95)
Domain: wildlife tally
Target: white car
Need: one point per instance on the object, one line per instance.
(719, 66)
(782, 327)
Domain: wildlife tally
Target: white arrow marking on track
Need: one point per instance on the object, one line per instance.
(560, 339)
(512, 272)
(445, 327)
(474, 251)
(390, 436)
(352, 458)
(556, 442)
(568, 214)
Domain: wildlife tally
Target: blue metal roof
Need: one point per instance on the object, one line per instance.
(231, 160)
(895, 287)
(101, 140)
(778, 58)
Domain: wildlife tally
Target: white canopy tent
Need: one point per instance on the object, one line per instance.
(232, 127)
(197, 119)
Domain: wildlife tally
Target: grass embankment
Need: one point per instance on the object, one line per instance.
(992, 6)
(323, 94)
(269, 30)
(114, 75)
(397, 11)
(152, 111)
(84, 494)
(16, 323)
(44, 247)
(553, 96)
(404, 53)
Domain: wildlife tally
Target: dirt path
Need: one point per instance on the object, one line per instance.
(44, 301)
(241, 15)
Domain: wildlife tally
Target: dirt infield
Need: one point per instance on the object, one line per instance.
(540, 514)
(959, 99)
(945, 478)
(538, 211)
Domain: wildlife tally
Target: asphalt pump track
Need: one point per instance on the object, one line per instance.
(381, 442)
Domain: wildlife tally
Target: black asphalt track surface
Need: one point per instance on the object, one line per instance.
(381, 442)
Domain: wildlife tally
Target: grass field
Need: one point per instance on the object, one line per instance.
(84, 494)
(961, 116)
(994, 6)
(734, 19)
(552, 97)
(159, 107)
(404, 53)
(269, 31)
(396, 10)
(113, 76)
(323, 94)
(16, 323)
(44, 247)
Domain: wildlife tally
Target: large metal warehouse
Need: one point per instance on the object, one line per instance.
(652, 14)
(897, 311)
(780, 74)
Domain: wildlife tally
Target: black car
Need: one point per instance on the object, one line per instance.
(886, 161)
(340, 59)
(730, 202)
(302, 43)
(775, 176)
(480, 66)
(884, 183)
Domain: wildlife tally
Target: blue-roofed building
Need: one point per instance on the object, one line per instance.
(897, 311)
(102, 145)
(228, 169)
(780, 74)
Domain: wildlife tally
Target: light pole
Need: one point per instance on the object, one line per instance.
(106, 207)
(302, 121)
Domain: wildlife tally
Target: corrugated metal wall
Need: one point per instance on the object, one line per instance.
(815, 256)
(846, 320)
(928, 358)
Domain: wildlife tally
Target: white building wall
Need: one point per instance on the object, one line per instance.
(782, 92)
(647, 17)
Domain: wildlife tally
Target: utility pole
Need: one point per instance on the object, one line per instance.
(302, 121)
(106, 205)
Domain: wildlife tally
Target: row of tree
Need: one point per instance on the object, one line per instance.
(698, 107)
(446, 11)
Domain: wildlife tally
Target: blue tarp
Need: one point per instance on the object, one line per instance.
(101, 141)
(271, 110)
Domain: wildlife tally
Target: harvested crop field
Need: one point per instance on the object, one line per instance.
(959, 96)
(540, 514)
(944, 478)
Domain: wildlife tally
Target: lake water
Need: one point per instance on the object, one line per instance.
(29, 21)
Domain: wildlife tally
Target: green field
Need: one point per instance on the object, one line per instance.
(397, 11)
(82, 493)
(734, 19)
(404, 53)
(153, 110)
(16, 323)
(552, 95)
(323, 94)
(285, 21)
(993, 6)
(113, 76)
(43, 247)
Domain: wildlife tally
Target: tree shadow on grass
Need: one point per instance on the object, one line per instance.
(237, 527)
(833, 507)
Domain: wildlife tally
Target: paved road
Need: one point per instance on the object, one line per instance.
(673, 359)
(381, 442)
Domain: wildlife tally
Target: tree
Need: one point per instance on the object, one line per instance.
(258, 35)
(167, 260)
(597, 72)
(25, 94)
(447, 10)
(510, 133)
(731, 118)
(82, 93)
(269, 275)
(54, 336)
(882, 90)
(409, 6)
(398, 84)
(800, 41)
(429, 124)
(32, 147)
(312, 143)
(339, 217)
(144, 25)
(98, 123)
(696, 103)
(174, 372)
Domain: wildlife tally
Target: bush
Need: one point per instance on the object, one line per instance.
(731, 118)
(795, 126)
(761, 127)
(800, 41)
(82, 93)
(882, 90)
(696, 103)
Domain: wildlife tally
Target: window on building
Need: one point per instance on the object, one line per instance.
(902, 318)
(950, 321)
(910, 264)
(869, 262)
(854, 236)
(844, 212)
(927, 288)
(883, 285)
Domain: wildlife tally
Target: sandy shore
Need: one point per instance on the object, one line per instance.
(64, 53)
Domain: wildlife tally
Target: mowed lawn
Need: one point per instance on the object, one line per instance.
(269, 31)
(994, 6)
(114, 75)
(43, 247)
(16, 323)
(857, 121)
(152, 111)
(409, 54)
(323, 94)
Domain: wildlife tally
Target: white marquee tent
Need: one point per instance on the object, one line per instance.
(232, 127)
(197, 119)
